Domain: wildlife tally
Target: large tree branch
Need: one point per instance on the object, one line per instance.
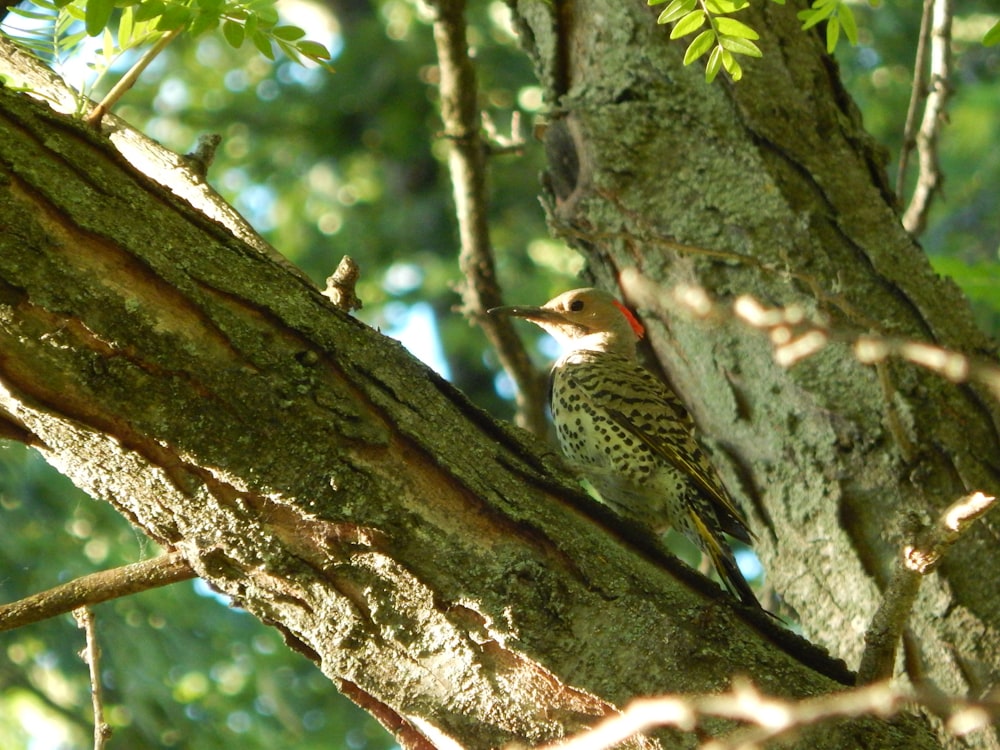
(440, 563)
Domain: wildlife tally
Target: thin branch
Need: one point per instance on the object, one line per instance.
(795, 337)
(929, 178)
(920, 556)
(769, 719)
(96, 588)
(467, 162)
(918, 92)
(128, 80)
(92, 656)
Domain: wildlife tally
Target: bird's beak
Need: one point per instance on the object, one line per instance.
(534, 314)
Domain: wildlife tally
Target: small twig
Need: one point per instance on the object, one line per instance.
(92, 656)
(128, 80)
(770, 719)
(340, 287)
(795, 337)
(918, 92)
(467, 163)
(96, 588)
(920, 556)
(929, 178)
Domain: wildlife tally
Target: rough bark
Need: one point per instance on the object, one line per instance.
(782, 195)
(438, 566)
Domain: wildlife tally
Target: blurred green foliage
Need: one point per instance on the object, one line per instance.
(350, 162)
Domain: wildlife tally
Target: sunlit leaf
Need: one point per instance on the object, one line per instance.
(288, 33)
(993, 35)
(732, 27)
(832, 34)
(701, 44)
(720, 7)
(126, 26)
(740, 46)
(108, 46)
(314, 50)
(714, 64)
(690, 23)
(847, 23)
(675, 10)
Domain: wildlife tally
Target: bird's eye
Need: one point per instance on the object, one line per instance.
(576, 305)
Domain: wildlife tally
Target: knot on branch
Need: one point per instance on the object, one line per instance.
(340, 286)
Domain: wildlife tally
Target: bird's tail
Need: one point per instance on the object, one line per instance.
(725, 563)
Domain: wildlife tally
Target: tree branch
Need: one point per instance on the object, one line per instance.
(468, 164)
(96, 588)
(92, 656)
(920, 556)
(771, 719)
(929, 178)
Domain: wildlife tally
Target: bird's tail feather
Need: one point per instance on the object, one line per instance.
(725, 564)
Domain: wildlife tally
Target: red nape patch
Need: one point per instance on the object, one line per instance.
(640, 331)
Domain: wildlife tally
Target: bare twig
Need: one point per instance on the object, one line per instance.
(92, 656)
(920, 556)
(918, 92)
(467, 162)
(340, 287)
(769, 719)
(929, 177)
(96, 588)
(795, 337)
(128, 80)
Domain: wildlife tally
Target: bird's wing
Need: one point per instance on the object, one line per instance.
(668, 430)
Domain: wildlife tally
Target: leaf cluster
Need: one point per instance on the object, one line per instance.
(725, 36)
(61, 26)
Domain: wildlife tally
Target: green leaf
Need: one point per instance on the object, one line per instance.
(313, 50)
(288, 33)
(263, 44)
(720, 7)
(126, 26)
(811, 17)
(233, 32)
(690, 23)
(740, 46)
(654, 2)
(173, 17)
(108, 46)
(992, 36)
(675, 10)
(149, 10)
(714, 64)
(203, 22)
(98, 14)
(847, 23)
(250, 25)
(732, 67)
(701, 44)
(832, 34)
(732, 27)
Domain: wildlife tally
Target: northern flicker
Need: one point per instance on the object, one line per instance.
(628, 433)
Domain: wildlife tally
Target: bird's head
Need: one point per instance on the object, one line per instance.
(584, 319)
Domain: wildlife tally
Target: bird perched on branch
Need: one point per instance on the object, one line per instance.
(629, 433)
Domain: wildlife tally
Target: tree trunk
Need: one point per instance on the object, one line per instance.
(777, 192)
(439, 567)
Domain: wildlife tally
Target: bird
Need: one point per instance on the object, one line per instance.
(629, 434)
